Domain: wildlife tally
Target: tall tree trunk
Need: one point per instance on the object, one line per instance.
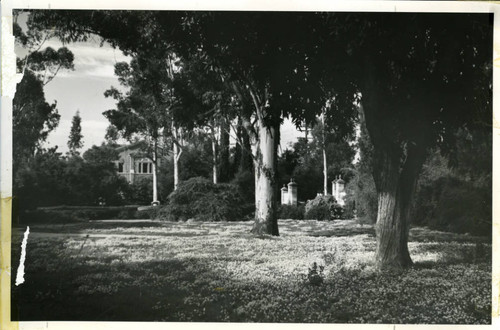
(246, 161)
(325, 173)
(238, 147)
(214, 156)
(396, 185)
(265, 159)
(176, 155)
(396, 166)
(224, 169)
(155, 181)
(325, 168)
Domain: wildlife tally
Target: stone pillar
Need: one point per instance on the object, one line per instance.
(284, 195)
(334, 188)
(131, 169)
(341, 192)
(292, 193)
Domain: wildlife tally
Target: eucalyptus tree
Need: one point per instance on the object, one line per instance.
(33, 117)
(269, 61)
(336, 125)
(145, 110)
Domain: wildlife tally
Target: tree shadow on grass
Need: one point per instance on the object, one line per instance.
(62, 295)
(192, 289)
(438, 254)
(424, 234)
(344, 231)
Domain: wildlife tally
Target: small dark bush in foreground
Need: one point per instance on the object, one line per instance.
(291, 212)
(201, 200)
(323, 208)
(315, 274)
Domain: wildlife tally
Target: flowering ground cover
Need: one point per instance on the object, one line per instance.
(194, 271)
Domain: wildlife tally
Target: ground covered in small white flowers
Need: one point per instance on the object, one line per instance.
(196, 271)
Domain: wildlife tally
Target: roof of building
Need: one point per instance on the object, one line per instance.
(134, 145)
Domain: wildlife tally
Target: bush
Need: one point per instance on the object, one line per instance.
(201, 200)
(291, 212)
(245, 181)
(142, 191)
(315, 274)
(366, 198)
(69, 214)
(41, 216)
(452, 204)
(323, 208)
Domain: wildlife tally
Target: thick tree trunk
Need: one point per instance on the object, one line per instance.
(396, 185)
(396, 168)
(265, 152)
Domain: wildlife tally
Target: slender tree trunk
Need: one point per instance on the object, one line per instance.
(325, 167)
(238, 147)
(306, 131)
(224, 168)
(214, 156)
(265, 158)
(176, 155)
(325, 173)
(176, 166)
(155, 181)
(246, 161)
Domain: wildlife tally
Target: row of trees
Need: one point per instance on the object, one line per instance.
(411, 73)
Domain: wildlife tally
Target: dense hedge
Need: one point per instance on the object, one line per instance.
(69, 214)
(201, 200)
(323, 208)
(451, 204)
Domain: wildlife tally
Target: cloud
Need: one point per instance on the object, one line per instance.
(93, 132)
(91, 60)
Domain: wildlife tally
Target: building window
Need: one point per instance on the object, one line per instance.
(144, 167)
(120, 167)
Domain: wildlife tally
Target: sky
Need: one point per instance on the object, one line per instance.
(83, 90)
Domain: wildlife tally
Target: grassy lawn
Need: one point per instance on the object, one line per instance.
(168, 271)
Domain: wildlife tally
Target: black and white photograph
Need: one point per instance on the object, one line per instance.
(250, 166)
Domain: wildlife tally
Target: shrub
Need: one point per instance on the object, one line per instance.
(142, 191)
(245, 181)
(69, 214)
(315, 274)
(291, 212)
(366, 198)
(41, 216)
(201, 200)
(452, 204)
(323, 208)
